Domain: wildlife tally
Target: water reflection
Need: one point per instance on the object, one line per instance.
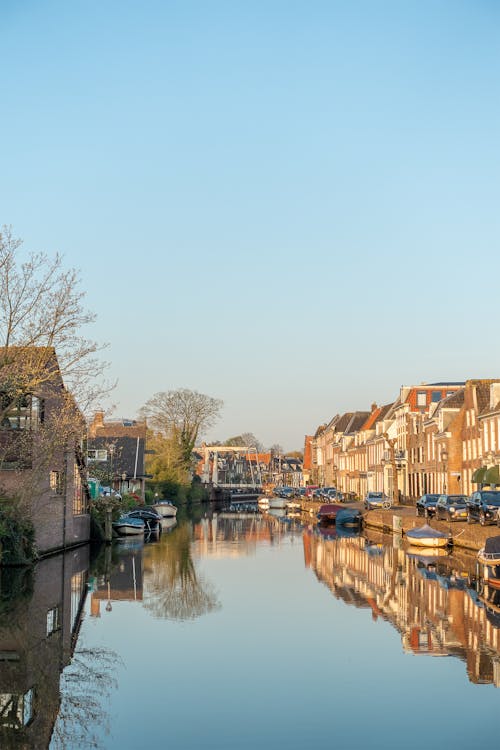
(173, 588)
(435, 600)
(235, 533)
(40, 614)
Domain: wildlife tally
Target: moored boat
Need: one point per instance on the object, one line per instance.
(350, 517)
(426, 536)
(126, 526)
(327, 513)
(489, 557)
(277, 503)
(165, 508)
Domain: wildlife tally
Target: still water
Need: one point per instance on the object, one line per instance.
(241, 630)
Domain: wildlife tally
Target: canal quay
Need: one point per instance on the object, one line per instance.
(236, 628)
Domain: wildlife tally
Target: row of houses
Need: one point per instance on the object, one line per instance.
(435, 437)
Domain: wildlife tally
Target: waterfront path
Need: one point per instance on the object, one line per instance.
(469, 536)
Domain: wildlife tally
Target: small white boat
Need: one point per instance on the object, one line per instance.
(126, 526)
(165, 508)
(278, 503)
(292, 505)
(426, 536)
(263, 502)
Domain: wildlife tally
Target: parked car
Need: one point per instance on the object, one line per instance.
(483, 506)
(311, 489)
(327, 492)
(284, 492)
(376, 500)
(451, 507)
(426, 505)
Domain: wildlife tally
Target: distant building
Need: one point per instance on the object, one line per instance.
(115, 453)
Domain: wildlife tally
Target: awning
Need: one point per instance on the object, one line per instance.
(492, 476)
(478, 475)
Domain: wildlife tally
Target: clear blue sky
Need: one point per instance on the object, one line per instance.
(292, 206)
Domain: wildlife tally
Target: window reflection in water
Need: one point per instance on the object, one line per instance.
(435, 600)
(40, 616)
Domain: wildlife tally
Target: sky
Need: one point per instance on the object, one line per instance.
(290, 206)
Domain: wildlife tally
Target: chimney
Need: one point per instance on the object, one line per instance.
(98, 420)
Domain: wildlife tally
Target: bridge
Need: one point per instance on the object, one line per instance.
(232, 472)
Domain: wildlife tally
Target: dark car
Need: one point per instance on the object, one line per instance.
(483, 506)
(451, 507)
(426, 505)
(284, 492)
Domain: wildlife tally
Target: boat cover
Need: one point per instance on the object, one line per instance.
(492, 545)
(347, 515)
(426, 532)
(329, 509)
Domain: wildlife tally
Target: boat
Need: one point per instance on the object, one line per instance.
(126, 526)
(277, 503)
(165, 508)
(426, 536)
(349, 517)
(167, 524)
(327, 513)
(489, 557)
(263, 502)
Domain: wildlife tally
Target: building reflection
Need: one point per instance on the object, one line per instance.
(436, 601)
(119, 578)
(237, 534)
(39, 622)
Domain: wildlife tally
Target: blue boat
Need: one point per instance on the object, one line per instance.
(349, 517)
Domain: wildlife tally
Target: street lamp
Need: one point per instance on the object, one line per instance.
(335, 470)
(382, 463)
(444, 459)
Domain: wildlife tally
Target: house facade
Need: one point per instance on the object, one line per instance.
(41, 459)
(115, 453)
(435, 438)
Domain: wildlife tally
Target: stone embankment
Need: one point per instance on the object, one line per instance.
(403, 517)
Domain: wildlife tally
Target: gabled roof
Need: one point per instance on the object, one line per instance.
(453, 401)
(483, 397)
(357, 420)
(375, 416)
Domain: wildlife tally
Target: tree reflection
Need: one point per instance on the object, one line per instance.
(173, 588)
(85, 688)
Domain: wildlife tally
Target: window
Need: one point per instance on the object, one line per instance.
(421, 398)
(79, 498)
(57, 482)
(26, 412)
(53, 620)
(97, 455)
(435, 396)
(16, 709)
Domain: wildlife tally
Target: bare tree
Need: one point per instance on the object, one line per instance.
(42, 312)
(182, 414)
(173, 589)
(247, 439)
(49, 372)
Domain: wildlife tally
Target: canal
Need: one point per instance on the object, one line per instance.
(244, 630)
